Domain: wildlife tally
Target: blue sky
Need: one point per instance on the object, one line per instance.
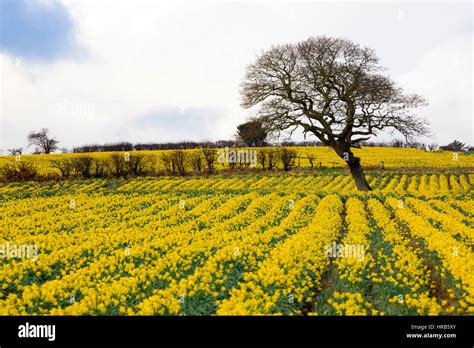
(95, 71)
(31, 30)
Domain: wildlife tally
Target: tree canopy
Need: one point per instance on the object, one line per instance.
(333, 89)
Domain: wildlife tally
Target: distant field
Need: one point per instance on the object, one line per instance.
(246, 244)
(371, 157)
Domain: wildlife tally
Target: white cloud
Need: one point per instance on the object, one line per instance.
(444, 76)
(145, 56)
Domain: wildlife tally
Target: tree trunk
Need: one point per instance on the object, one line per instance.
(358, 175)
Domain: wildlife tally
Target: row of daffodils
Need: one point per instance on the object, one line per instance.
(375, 157)
(432, 185)
(239, 245)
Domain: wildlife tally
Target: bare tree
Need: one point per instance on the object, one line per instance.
(210, 156)
(18, 171)
(119, 164)
(195, 159)
(65, 166)
(179, 161)
(331, 88)
(136, 164)
(83, 165)
(311, 158)
(15, 151)
(168, 162)
(100, 167)
(43, 142)
(262, 158)
(288, 158)
(416, 145)
(271, 158)
(397, 143)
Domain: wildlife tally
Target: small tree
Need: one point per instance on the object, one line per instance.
(168, 162)
(65, 166)
(252, 133)
(456, 146)
(417, 145)
(43, 142)
(100, 167)
(119, 165)
(210, 157)
(15, 151)
(311, 158)
(271, 158)
(136, 164)
(19, 171)
(397, 143)
(179, 159)
(288, 158)
(195, 159)
(83, 165)
(262, 159)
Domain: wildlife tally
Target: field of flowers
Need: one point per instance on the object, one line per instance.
(291, 244)
(396, 158)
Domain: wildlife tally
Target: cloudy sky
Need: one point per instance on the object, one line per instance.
(95, 71)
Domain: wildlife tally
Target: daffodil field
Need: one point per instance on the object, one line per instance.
(303, 243)
(394, 158)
